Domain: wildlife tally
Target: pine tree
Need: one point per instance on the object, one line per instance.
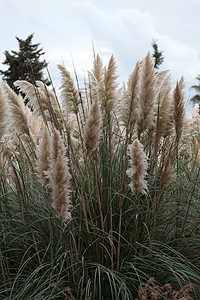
(24, 64)
(157, 55)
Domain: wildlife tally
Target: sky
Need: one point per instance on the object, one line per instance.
(68, 29)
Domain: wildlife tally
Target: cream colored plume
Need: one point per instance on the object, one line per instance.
(42, 99)
(196, 120)
(92, 128)
(129, 104)
(3, 114)
(138, 166)
(36, 126)
(43, 157)
(18, 119)
(96, 77)
(165, 110)
(69, 94)
(108, 96)
(147, 96)
(59, 177)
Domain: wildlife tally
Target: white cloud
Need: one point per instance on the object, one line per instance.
(123, 28)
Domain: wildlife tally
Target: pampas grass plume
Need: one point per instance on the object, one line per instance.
(147, 95)
(17, 111)
(129, 106)
(92, 128)
(138, 167)
(179, 109)
(3, 114)
(59, 177)
(69, 94)
(43, 153)
(110, 84)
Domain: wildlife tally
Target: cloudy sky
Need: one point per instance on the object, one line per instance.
(124, 28)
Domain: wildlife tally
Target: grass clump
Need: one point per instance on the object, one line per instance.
(99, 191)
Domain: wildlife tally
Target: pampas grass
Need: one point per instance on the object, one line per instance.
(137, 171)
(90, 204)
(43, 153)
(3, 113)
(179, 109)
(93, 128)
(129, 107)
(109, 92)
(17, 112)
(96, 77)
(58, 176)
(147, 96)
(69, 94)
(41, 99)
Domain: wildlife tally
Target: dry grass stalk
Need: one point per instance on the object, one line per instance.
(59, 177)
(109, 93)
(92, 128)
(17, 112)
(69, 94)
(137, 171)
(147, 96)
(179, 110)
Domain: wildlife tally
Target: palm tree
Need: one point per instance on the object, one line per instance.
(196, 98)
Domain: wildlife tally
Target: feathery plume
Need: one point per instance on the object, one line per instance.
(36, 99)
(160, 77)
(43, 154)
(96, 77)
(146, 117)
(137, 171)
(179, 109)
(167, 173)
(165, 108)
(40, 98)
(196, 120)
(92, 128)
(108, 97)
(130, 101)
(59, 177)
(36, 126)
(3, 114)
(69, 94)
(17, 111)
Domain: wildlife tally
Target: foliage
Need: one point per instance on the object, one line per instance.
(74, 223)
(157, 55)
(24, 64)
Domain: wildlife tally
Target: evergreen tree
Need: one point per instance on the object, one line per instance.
(24, 64)
(157, 55)
(196, 98)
